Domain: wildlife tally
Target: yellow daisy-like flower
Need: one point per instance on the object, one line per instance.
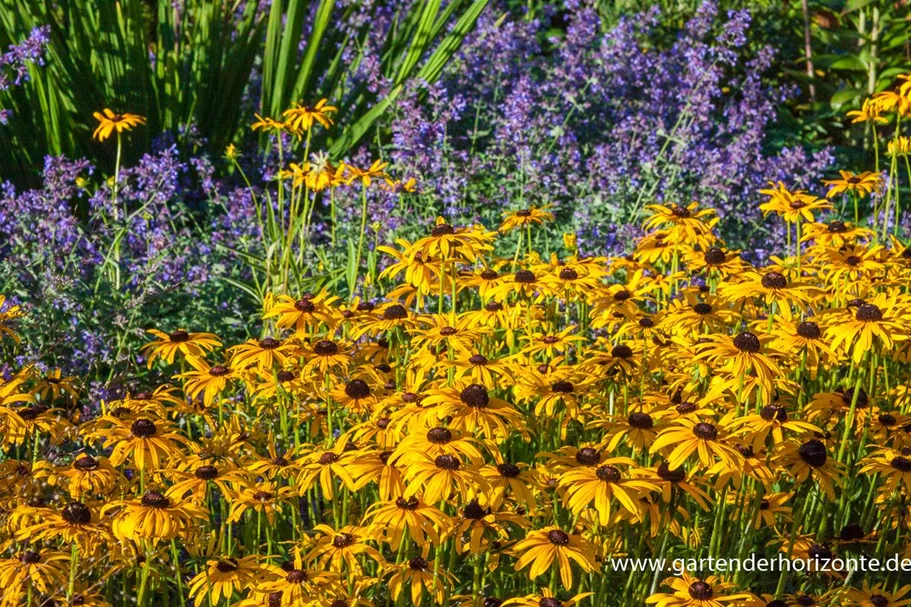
(551, 545)
(110, 122)
(516, 220)
(860, 184)
(688, 591)
(300, 118)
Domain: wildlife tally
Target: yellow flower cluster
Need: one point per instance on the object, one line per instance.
(544, 414)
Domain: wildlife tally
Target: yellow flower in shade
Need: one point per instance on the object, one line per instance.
(774, 288)
(900, 146)
(390, 520)
(153, 517)
(613, 479)
(324, 466)
(145, 444)
(300, 118)
(477, 526)
(509, 482)
(267, 124)
(110, 122)
(872, 323)
(792, 206)
(207, 380)
(771, 421)
(836, 233)
(377, 170)
(471, 408)
(517, 220)
(875, 596)
(545, 598)
(418, 575)
(811, 459)
(688, 591)
(436, 478)
(449, 243)
(305, 315)
(860, 184)
(8, 314)
(44, 570)
(168, 345)
(339, 550)
(870, 112)
(682, 224)
(894, 467)
(263, 497)
(87, 476)
(265, 353)
(295, 583)
(224, 577)
(553, 546)
(705, 440)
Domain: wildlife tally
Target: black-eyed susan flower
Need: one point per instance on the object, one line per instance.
(518, 220)
(689, 591)
(301, 118)
(153, 516)
(417, 575)
(552, 546)
(223, 577)
(109, 122)
(168, 345)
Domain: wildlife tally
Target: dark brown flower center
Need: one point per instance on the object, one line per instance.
(296, 576)
(493, 306)
(902, 464)
(206, 473)
(357, 388)
(343, 540)
(328, 458)
(608, 474)
(646, 323)
(809, 330)
(887, 419)
(774, 413)
(702, 308)
(447, 331)
(714, 256)
(525, 277)
(705, 431)
(563, 387)
(30, 557)
(686, 408)
(805, 600)
(700, 591)
(443, 229)
(879, 600)
(154, 499)
(143, 428)
(851, 532)
(475, 396)
(508, 470)
(489, 275)
(179, 336)
(418, 564)
(285, 376)
(747, 342)
(226, 565)
(395, 312)
(621, 351)
(76, 513)
(642, 421)
(409, 504)
(677, 475)
(86, 463)
(679, 211)
(837, 227)
(549, 601)
(269, 343)
(439, 436)
(325, 347)
(867, 312)
(262, 496)
(568, 274)
(588, 456)
(814, 453)
(218, 371)
(447, 462)
(474, 511)
(558, 537)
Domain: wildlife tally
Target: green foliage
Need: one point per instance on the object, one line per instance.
(192, 63)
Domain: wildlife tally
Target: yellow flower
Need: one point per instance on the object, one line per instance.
(110, 122)
(299, 119)
(516, 220)
(860, 184)
(552, 545)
